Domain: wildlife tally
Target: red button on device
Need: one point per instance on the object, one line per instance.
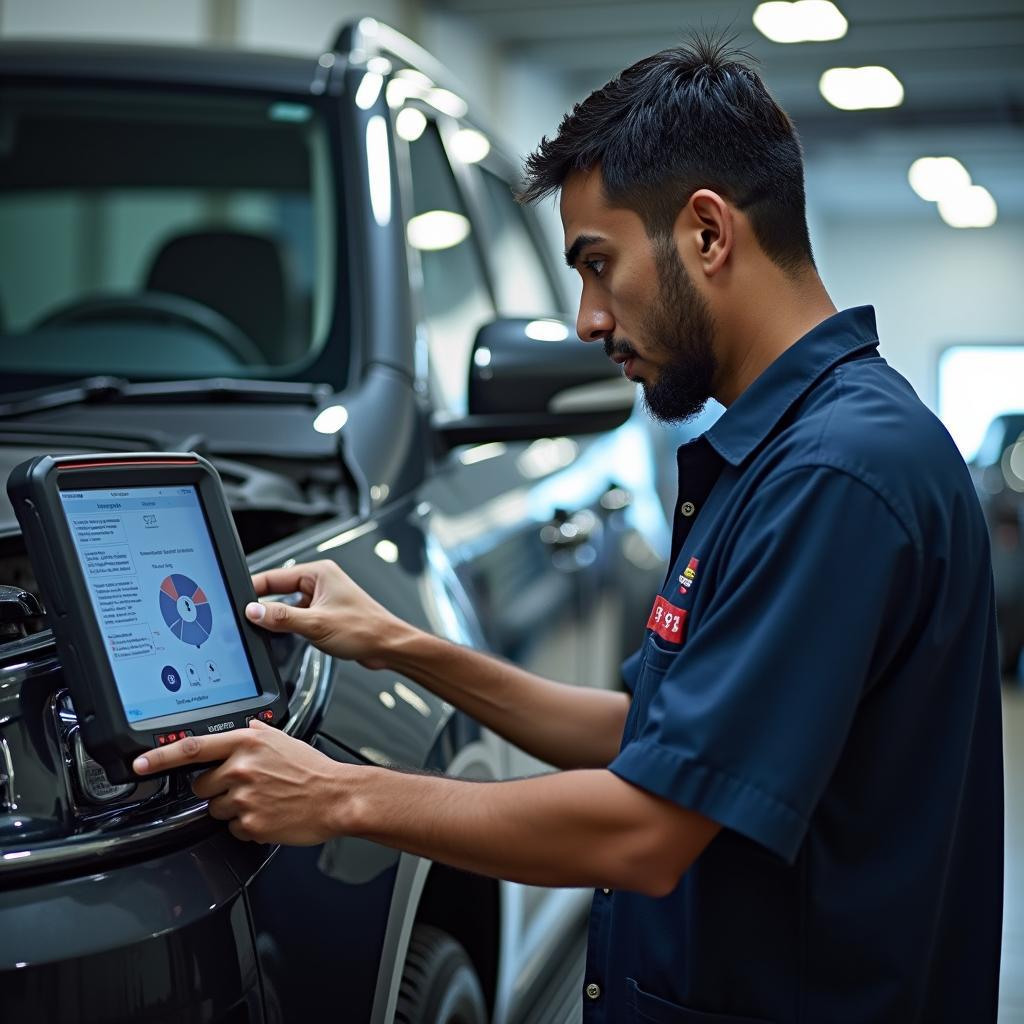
(267, 715)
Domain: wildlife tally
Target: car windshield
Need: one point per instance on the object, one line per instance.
(162, 235)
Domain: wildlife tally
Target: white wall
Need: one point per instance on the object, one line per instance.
(931, 285)
(183, 21)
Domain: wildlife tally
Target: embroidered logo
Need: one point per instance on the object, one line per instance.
(668, 621)
(688, 576)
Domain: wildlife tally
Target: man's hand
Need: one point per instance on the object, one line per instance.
(333, 612)
(269, 788)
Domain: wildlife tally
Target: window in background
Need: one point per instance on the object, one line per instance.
(456, 299)
(520, 280)
(976, 384)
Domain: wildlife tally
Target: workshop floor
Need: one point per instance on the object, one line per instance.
(1011, 994)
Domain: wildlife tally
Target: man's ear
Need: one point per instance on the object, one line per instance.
(705, 231)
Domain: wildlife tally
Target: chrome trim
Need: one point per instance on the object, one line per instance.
(7, 790)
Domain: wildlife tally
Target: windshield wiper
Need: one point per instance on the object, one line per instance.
(100, 390)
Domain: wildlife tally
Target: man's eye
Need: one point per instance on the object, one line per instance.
(595, 266)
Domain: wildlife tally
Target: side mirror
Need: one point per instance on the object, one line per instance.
(533, 378)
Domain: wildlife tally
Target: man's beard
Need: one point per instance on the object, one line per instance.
(680, 324)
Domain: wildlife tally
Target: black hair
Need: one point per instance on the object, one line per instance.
(694, 116)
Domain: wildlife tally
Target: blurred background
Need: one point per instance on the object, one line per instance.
(912, 120)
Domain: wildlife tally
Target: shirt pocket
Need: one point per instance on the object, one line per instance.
(645, 1008)
(655, 664)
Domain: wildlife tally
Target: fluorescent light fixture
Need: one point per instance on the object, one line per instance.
(865, 88)
(447, 102)
(971, 207)
(378, 169)
(410, 124)
(806, 21)
(546, 330)
(331, 419)
(470, 146)
(437, 229)
(295, 113)
(935, 177)
(387, 550)
(369, 90)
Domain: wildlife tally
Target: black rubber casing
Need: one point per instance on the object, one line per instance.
(34, 489)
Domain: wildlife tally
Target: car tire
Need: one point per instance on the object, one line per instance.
(439, 984)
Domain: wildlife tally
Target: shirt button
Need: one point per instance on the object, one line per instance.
(687, 508)
(593, 991)
(606, 891)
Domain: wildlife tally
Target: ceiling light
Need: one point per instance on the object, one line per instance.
(331, 419)
(935, 177)
(470, 146)
(971, 207)
(437, 229)
(805, 21)
(861, 88)
(410, 124)
(547, 330)
(447, 102)
(379, 64)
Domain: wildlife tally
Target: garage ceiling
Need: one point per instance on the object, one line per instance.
(961, 64)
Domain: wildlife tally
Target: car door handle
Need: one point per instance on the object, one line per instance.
(568, 531)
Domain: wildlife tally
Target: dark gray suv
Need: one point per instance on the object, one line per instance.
(313, 272)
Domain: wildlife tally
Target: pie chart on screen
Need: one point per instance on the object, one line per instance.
(186, 610)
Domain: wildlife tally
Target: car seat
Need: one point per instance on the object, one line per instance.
(239, 274)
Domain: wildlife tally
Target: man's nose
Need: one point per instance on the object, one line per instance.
(594, 323)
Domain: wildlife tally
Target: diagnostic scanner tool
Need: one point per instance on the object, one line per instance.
(145, 585)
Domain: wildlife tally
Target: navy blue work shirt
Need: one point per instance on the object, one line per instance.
(820, 677)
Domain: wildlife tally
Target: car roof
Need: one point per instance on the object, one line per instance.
(146, 64)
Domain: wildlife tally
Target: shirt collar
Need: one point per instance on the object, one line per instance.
(750, 419)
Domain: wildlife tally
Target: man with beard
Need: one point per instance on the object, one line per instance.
(794, 812)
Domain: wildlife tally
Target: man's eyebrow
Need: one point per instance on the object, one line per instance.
(582, 241)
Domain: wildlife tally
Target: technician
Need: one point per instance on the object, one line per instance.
(795, 813)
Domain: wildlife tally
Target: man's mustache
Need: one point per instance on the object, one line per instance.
(619, 347)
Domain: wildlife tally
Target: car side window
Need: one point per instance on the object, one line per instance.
(456, 299)
(521, 282)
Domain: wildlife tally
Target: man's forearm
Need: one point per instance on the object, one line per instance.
(567, 726)
(579, 828)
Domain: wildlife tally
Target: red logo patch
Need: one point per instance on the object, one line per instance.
(668, 621)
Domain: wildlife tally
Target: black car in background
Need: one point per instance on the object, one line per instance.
(313, 272)
(998, 470)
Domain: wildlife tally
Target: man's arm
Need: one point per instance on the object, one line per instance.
(567, 726)
(586, 828)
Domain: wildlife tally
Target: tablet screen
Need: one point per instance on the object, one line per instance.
(160, 599)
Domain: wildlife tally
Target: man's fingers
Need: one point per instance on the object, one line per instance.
(192, 750)
(286, 581)
(280, 618)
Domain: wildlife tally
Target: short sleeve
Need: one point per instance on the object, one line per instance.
(815, 589)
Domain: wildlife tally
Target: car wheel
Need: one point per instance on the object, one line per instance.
(439, 983)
